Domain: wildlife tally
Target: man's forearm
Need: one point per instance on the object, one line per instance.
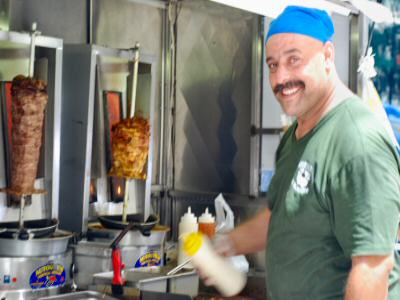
(369, 278)
(251, 236)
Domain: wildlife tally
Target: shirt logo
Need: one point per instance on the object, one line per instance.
(302, 178)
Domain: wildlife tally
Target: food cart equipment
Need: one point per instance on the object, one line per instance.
(156, 280)
(34, 256)
(97, 90)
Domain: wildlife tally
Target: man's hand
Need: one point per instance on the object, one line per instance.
(369, 277)
(249, 237)
(224, 245)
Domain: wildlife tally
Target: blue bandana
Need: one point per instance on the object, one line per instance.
(313, 22)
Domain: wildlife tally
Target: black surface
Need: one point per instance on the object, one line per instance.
(117, 289)
(115, 222)
(37, 228)
(147, 295)
(265, 131)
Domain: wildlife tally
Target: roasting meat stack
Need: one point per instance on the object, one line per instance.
(29, 99)
(130, 148)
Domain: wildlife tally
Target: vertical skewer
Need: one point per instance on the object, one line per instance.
(134, 80)
(125, 203)
(21, 212)
(131, 114)
(34, 33)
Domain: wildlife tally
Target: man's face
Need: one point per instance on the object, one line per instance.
(298, 72)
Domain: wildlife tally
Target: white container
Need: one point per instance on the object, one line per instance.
(187, 225)
(227, 279)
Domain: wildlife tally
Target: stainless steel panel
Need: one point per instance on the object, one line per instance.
(76, 144)
(213, 102)
(90, 258)
(62, 18)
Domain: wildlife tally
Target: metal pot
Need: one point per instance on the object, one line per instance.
(34, 228)
(56, 244)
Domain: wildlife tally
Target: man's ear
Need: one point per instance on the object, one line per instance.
(329, 55)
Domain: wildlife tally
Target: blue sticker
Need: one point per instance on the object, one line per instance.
(49, 275)
(7, 279)
(148, 260)
(266, 177)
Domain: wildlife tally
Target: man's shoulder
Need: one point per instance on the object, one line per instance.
(354, 131)
(357, 122)
(355, 112)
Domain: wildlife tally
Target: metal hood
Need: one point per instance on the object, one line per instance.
(272, 9)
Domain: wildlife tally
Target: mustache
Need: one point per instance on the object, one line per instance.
(290, 84)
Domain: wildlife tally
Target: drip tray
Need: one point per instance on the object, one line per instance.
(86, 295)
(153, 279)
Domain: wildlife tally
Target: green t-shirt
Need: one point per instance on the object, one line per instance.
(335, 194)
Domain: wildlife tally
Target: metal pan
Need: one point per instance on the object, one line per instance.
(115, 222)
(34, 228)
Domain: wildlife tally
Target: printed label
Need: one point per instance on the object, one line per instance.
(303, 177)
(148, 260)
(46, 276)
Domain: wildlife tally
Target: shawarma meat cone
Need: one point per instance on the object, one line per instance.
(29, 99)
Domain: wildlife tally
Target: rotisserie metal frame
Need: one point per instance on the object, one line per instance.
(90, 71)
(14, 60)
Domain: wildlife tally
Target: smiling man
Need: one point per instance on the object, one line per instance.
(334, 202)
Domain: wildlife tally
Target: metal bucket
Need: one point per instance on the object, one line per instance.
(54, 245)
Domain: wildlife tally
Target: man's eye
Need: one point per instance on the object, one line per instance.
(293, 59)
(272, 66)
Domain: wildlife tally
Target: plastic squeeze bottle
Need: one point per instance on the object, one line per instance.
(207, 224)
(228, 280)
(187, 225)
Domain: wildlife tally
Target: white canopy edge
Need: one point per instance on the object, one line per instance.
(273, 8)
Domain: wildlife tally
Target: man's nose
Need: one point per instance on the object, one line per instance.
(281, 75)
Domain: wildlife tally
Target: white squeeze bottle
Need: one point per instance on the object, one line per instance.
(187, 225)
(228, 280)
